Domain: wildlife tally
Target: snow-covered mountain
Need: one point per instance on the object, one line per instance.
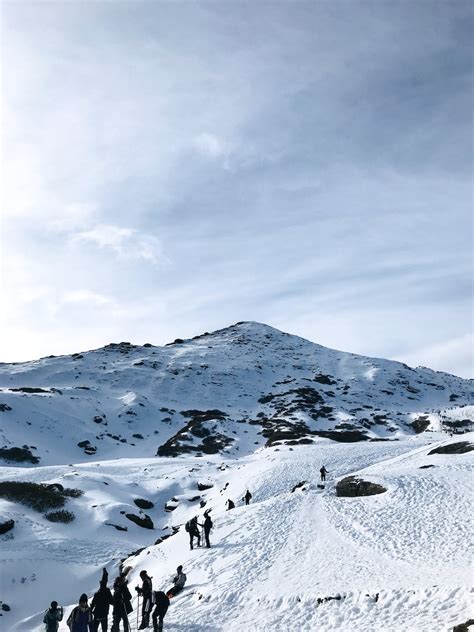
(244, 407)
(231, 391)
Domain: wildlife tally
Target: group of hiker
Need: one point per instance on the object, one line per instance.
(89, 618)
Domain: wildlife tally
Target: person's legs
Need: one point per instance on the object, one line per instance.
(206, 534)
(116, 622)
(126, 625)
(160, 624)
(191, 536)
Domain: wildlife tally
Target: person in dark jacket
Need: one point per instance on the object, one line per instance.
(122, 605)
(52, 617)
(193, 529)
(230, 504)
(178, 583)
(161, 607)
(80, 619)
(247, 497)
(100, 604)
(207, 526)
(323, 471)
(146, 591)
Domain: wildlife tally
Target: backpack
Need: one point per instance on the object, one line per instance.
(188, 526)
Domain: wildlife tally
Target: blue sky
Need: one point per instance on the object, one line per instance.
(171, 168)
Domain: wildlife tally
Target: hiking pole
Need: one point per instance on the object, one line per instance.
(138, 608)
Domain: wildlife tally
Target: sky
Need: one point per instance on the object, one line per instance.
(171, 168)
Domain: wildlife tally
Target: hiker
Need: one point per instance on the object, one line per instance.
(230, 504)
(122, 605)
(178, 583)
(192, 528)
(100, 604)
(247, 497)
(323, 471)
(146, 591)
(52, 617)
(161, 606)
(80, 619)
(207, 526)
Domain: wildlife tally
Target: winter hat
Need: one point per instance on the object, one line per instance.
(179, 569)
(83, 598)
(143, 574)
(54, 605)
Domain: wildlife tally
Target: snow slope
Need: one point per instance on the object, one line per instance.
(227, 392)
(271, 561)
(247, 406)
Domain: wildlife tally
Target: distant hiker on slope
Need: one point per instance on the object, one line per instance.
(178, 580)
(52, 617)
(193, 529)
(146, 591)
(161, 607)
(122, 605)
(100, 604)
(323, 471)
(207, 526)
(230, 504)
(80, 619)
(247, 497)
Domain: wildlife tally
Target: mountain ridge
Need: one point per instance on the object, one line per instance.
(202, 395)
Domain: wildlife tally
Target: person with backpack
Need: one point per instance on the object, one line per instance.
(122, 605)
(80, 619)
(100, 604)
(52, 617)
(247, 497)
(230, 504)
(178, 583)
(146, 591)
(193, 529)
(323, 471)
(161, 607)
(207, 526)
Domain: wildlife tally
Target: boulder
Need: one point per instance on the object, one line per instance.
(460, 447)
(203, 486)
(6, 525)
(352, 486)
(143, 503)
(142, 521)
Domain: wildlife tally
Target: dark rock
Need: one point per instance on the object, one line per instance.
(5, 607)
(6, 526)
(18, 455)
(425, 467)
(142, 503)
(30, 389)
(117, 526)
(299, 485)
(420, 424)
(343, 436)
(142, 521)
(461, 447)
(324, 379)
(57, 486)
(83, 444)
(464, 627)
(4, 408)
(352, 486)
(194, 499)
(203, 486)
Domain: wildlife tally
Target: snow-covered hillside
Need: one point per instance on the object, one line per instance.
(244, 407)
(303, 560)
(230, 392)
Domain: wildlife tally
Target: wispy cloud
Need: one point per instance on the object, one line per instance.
(209, 164)
(125, 242)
